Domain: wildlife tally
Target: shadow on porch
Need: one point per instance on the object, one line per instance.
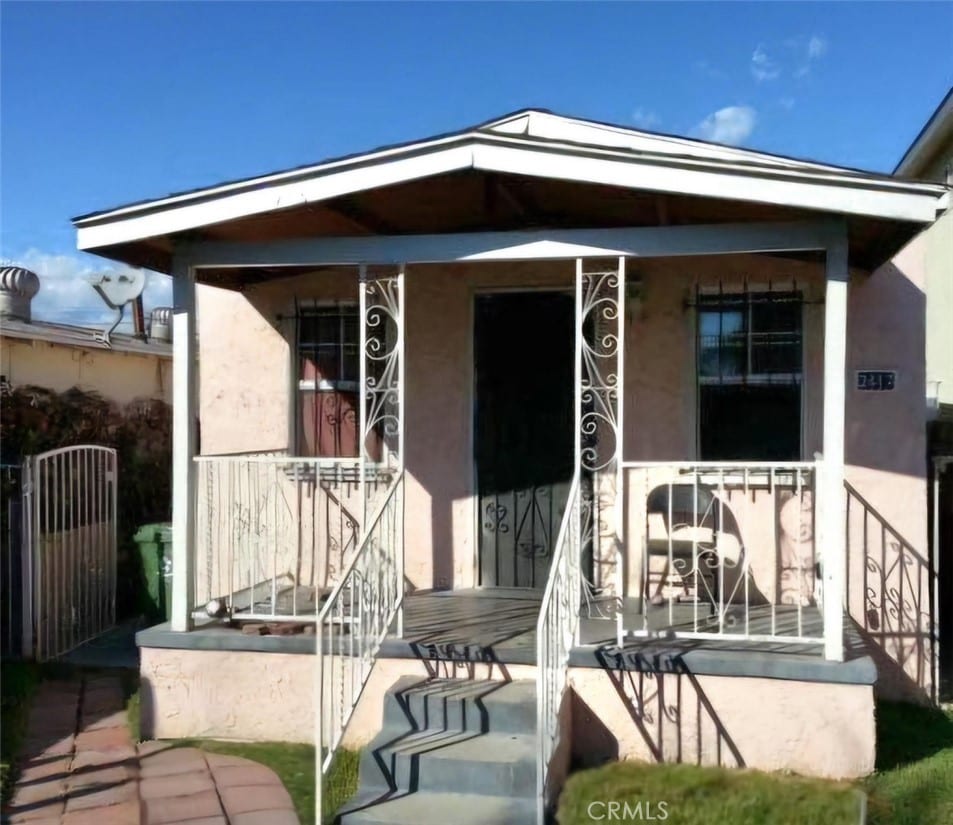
(499, 625)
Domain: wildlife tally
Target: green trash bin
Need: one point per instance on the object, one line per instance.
(155, 554)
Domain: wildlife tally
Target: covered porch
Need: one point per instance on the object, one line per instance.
(698, 547)
(684, 274)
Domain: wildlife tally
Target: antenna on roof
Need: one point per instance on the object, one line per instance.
(118, 289)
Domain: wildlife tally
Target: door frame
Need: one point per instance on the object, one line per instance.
(474, 509)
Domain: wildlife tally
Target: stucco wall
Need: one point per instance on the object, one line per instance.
(117, 376)
(266, 696)
(811, 728)
(888, 568)
(247, 383)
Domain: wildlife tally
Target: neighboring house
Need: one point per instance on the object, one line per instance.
(633, 420)
(74, 399)
(930, 157)
(59, 357)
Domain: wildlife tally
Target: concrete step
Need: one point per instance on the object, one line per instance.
(450, 751)
(476, 763)
(461, 705)
(427, 808)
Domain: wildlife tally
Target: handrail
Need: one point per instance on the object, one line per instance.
(278, 458)
(349, 569)
(352, 624)
(715, 465)
(556, 632)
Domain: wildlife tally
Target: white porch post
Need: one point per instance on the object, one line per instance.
(833, 506)
(183, 442)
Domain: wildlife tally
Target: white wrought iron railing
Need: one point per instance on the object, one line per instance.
(366, 603)
(557, 631)
(274, 532)
(724, 550)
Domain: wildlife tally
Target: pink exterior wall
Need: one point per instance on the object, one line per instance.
(888, 570)
(247, 382)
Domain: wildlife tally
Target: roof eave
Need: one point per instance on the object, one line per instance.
(819, 190)
(937, 129)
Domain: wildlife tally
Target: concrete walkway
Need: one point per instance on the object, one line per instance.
(79, 766)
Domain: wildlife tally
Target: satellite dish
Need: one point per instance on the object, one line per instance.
(118, 289)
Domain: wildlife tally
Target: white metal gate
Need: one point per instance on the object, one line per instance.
(69, 541)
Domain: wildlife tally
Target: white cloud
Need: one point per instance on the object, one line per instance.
(731, 125)
(645, 118)
(66, 296)
(787, 103)
(763, 67)
(813, 51)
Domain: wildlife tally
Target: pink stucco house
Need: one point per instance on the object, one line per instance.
(630, 422)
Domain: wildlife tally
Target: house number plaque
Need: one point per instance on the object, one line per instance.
(876, 380)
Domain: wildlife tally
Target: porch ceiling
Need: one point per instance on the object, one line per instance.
(479, 201)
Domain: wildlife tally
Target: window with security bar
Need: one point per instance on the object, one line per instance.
(328, 376)
(750, 363)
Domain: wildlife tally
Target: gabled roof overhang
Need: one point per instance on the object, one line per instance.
(535, 145)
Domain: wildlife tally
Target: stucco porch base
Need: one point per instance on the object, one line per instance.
(809, 727)
(268, 696)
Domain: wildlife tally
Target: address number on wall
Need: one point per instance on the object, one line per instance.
(876, 380)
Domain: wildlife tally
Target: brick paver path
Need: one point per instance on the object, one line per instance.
(79, 766)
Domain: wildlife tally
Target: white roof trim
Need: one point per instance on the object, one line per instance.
(937, 129)
(718, 172)
(238, 203)
(573, 130)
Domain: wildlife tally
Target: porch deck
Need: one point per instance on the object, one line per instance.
(498, 626)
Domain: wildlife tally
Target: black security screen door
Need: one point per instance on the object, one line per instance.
(524, 431)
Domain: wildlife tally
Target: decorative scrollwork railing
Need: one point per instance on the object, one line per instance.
(893, 595)
(353, 622)
(382, 366)
(556, 633)
(599, 339)
(726, 549)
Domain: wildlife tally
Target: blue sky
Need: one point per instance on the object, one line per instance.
(103, 104)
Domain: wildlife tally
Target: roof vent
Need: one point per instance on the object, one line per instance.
(17, 288)
(160, 325)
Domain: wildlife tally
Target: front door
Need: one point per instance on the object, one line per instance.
(523, 443)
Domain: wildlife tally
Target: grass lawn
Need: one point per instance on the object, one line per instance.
(913, 784)
(706, 796)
